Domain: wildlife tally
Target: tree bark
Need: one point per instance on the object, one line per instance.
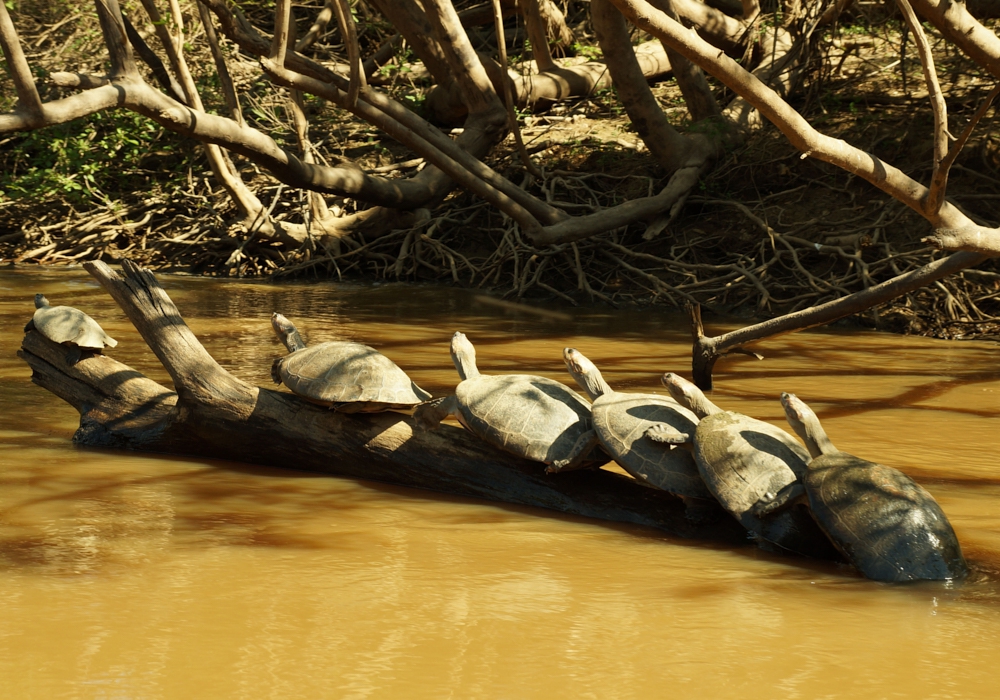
(213, 414)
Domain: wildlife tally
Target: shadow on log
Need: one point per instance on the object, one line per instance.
(213, 414)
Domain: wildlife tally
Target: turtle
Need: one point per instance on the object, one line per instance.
(888, 526)
(348, 377)
(70, 327)
(744, 460)
(525, 415)
(620, 422)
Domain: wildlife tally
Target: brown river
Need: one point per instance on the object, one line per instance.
(127, 575)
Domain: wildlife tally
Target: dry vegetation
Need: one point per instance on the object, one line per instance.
(764, 233)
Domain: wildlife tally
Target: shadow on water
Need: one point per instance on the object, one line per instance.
(265, 507)
(234, 504)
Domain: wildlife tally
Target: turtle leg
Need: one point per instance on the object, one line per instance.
(74, 355)
(666, 433)
(429, 415)
(773, 502)
(701, 510)
(581, 448)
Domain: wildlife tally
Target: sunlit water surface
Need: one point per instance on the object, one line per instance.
(139, 576)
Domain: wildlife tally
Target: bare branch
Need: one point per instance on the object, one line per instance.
(221, 68)
(668, 146)
(508, 93)
(28, 100)
(939, 182)
(701, 103)
(410, 20)
(707, 349)
(115, 39)
(350, 33)
(678, 186)
(279, 40)
(537, 33)
(934, 196)
(318, 27)
(795, 128)
(66, 109)
(150, 58)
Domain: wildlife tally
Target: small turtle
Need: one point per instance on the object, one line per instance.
(744, 461)
(889, 527)
(347, 377)
(70, 327)
(620, 423)
(523, 414)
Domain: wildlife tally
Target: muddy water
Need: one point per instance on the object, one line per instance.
(138, 576)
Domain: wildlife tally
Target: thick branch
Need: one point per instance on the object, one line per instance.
(28, 100)
(708, 350)
(226, 418)
(409, 19)
(666, 144)
(113, 28)
(150, 58)
(66, 109)
(538, 34)
(795, 128)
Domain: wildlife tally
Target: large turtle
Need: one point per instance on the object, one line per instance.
(348, 377)
(889, 527)
(744, 460)
(620, 423)
(523, 414)
(69, 326)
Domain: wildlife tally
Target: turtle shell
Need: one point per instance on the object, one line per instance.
(348, 373)
(885, 523)
(741, 459)
(529, 416)
(621, 420)
(64, 324)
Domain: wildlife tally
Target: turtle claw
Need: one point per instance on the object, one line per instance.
(429, 415)
(557, 466)
(771, 502)
(664, 433)
(73, 356)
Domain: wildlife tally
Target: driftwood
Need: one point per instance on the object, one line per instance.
(213, 414)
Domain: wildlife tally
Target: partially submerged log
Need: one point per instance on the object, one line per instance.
(213, 414)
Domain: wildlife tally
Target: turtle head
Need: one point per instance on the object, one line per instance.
(287, 332)
(463, 354)
(40, 301)
(806, 425)
(585, 373)
(688, 395)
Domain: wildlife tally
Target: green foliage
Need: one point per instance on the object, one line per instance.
(110, 152)
(589, 51)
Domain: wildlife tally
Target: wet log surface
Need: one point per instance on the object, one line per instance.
(212, 414)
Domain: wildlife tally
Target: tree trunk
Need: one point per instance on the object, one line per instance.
(213, 414)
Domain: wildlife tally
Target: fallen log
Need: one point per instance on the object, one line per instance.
(210, 413)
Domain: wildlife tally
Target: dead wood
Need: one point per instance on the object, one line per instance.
(212, 414)
(707, 350)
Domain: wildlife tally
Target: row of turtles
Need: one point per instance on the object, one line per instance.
(817, 502)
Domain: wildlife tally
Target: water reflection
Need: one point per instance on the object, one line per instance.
(132, 575)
